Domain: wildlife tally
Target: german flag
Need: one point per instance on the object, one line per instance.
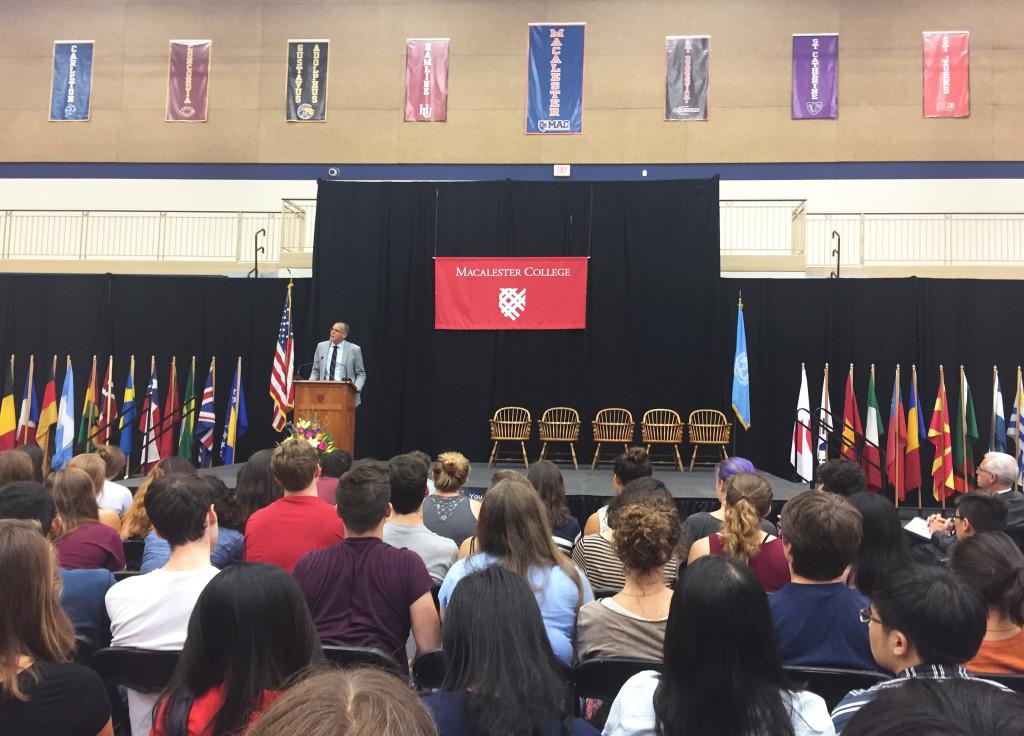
(8, 418)
(48, 412)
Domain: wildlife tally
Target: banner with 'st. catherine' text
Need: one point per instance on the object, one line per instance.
(510, 293)
(188, 81)
(71, 85)
(815, 69)
(947, 85)
(686, 77)
(306, 99)
(554, 84)
(426, 80)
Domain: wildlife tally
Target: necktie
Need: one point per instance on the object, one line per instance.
(334, 363)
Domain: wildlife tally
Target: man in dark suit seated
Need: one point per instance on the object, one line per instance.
(996, 475)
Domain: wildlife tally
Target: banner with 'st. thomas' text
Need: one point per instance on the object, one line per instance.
(510, 293)
(686, 77)
(947, 88)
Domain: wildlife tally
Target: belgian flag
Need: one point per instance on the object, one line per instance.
(8, 418)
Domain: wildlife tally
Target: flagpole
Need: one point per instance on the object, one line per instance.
(1019, 399)
(992, 428)
(896, 442)
(942, 386)
(131, 377)
(149, 412)
(917, 403)
(109, 400)
(292, 377)
(963, 428)
(29, 389)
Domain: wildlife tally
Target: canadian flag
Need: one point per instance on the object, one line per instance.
(801, 452)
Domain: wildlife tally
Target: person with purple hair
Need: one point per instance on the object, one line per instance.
(705, 523)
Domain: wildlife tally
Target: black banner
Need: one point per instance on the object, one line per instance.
(306, 100)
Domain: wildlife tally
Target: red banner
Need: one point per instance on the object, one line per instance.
(947, 82)
(426, 80)
(510, 293)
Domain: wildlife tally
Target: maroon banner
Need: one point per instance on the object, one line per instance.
(947, 87)
(188, 81)
(426, 80)
(510, 293)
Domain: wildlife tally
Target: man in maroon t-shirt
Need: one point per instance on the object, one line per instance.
(363, 592)
(300, 521)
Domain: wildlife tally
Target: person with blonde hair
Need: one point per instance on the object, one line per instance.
(748, 498)
(41, 690)
(84, 543)
(135, 523)
(449, 512)
(96, 468)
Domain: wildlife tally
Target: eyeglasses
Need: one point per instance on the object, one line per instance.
(984, 470)
(866, 617)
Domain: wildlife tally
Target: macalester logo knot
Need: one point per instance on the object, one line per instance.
(512, 302)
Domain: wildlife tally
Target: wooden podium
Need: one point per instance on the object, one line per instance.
(333, 404)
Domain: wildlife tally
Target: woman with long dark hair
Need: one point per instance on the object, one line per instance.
(883, 545)
(249, 632)
(723, 673)
(256, 486)
(547, 479)
(502, 676)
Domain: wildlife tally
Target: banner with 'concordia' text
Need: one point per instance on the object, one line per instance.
(188, 81)
(554, 85)
(426, 80)
(71, 85)
(510, 293)
(306, 99)
(815, 70)
(947, 86)
(686, 77)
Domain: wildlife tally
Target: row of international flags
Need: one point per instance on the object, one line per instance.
(185, 424)
(953, 465)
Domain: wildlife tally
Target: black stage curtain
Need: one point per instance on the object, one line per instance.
(652, 325)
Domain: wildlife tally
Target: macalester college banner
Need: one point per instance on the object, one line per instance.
(947, 88)
(510, 293)
(306, 99)
(554, 85)
(815, 68)
(188, 81)
(72, 80)
(686, 77)
(426, 80)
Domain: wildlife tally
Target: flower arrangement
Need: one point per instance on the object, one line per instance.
(309, 429)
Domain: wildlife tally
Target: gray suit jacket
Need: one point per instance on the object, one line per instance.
(350, 363)
(1015, 502)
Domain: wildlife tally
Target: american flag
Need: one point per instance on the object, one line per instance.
(206, 420)
(282, 386)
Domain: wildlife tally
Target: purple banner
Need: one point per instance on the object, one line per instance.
(188, 81)
(815, 70)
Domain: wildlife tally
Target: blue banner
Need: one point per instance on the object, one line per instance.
(72, 80)
(554, 97)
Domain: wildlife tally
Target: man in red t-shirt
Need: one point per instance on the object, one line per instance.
(300, 521)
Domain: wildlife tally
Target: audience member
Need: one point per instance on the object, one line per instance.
(993, 566)
(248, 634)
(114, 496)
(152, 611)
(504, 474)
(41, 691)
(135, 524)
(976, 512)
(361, 591)
(230, 542)
(35, 455)
(363, 701)
(470, 546)
(595, 553)
(84, 543)
(449, 512)
(841, 476)
(630, 465)
(425, 459)
(883, 545)
(513, 531)
(405, 528)
(816, 615)
(14, 467)
(547, 479)
(923, 623)
(333, 465)
(997, 473)
(748, 498)
(722, 671)
(256, 487)
(632, 622)
(83, 591)
(96, 469)
(297, 522)
(501, 676)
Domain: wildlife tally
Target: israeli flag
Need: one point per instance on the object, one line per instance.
(740, 373)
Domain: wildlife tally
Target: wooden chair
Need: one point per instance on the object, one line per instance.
(559, 424)
(708, 427)
(510, 424)
(663, 427)
(612, 425)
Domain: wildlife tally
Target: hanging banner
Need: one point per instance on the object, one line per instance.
(306, 99)
(510, 293)
(686, 77)
(554, 85)
(947, 82)
(71, 85)
(815, 71)
(188, 81)
(426, 80)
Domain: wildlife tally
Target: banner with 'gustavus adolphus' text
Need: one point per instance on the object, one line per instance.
(306, 99)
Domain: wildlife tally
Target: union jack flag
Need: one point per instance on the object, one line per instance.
(207, 418)
(282, 386)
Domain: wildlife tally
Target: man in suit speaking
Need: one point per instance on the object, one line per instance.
(339, 360)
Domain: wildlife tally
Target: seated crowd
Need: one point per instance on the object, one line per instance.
(254, 585)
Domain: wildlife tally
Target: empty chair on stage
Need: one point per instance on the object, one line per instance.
(559, 424)
(663, 427)
(709, 428)
(612, 425)
(510, 424)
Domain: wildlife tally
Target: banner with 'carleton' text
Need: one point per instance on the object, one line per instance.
(426, 80)
(554, 85)
(188, 81)
(947, 88)
(510, 293)
(306, 100)
(72, 80)
(686, 77)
